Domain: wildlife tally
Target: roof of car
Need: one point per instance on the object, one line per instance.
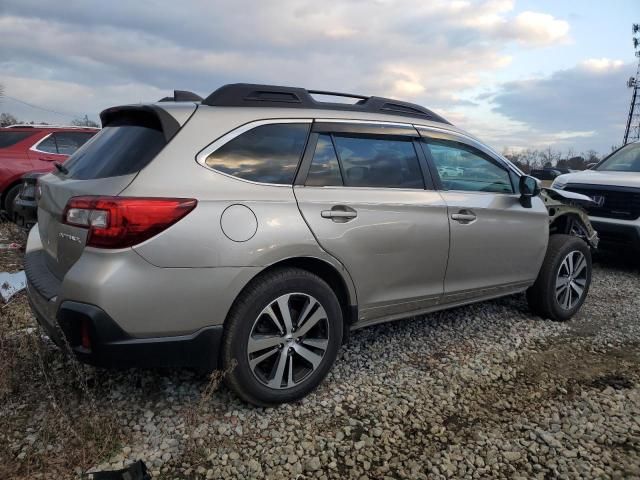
(275, 96)
(28, 126)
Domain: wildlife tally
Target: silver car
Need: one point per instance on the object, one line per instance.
(252, 230)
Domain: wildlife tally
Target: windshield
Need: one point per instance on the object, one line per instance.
(627, 159)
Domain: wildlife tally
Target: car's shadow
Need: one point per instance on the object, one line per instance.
(618, 258)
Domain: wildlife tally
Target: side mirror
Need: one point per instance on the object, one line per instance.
(529, 188)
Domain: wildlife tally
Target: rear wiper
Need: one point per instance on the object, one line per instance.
(61, 168)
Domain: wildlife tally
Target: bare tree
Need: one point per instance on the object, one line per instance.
(84, 122)
(7, 119)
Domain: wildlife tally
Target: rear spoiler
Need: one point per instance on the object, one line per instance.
(143, 114)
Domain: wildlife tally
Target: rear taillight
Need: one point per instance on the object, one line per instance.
(120, 222)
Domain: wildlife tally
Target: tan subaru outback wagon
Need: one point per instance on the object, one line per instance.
(253, 229)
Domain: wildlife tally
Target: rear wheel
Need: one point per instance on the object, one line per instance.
(282, 337)
(564, 279)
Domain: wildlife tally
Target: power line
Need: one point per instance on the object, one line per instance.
(70, 115)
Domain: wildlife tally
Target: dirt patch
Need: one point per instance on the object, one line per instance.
(568, 361)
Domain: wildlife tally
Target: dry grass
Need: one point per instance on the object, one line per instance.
(52, 424)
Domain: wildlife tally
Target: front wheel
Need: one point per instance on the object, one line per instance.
(282, 337)
(564, 279)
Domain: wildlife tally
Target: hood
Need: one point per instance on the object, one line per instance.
(596, 177)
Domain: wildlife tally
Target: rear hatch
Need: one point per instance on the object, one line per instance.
(129, 140)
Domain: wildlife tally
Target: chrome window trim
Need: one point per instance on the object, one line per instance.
(213, 146)
(363, 122)
(201, 157)
(34, 147)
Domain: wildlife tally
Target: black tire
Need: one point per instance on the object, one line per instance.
(542, 297)
(246, 312)
(9, 198)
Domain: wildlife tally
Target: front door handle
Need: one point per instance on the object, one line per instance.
(339, 213)
(464, 216)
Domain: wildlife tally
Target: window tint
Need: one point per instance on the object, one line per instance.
(324, 170)
(118, 149)
(378, 162)
(268, 154)
(11, 138)
(462, 167)
(48, 145)
(69, 142)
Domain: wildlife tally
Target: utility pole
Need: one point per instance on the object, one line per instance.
(632, 132)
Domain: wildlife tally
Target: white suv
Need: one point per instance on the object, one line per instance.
(614, 186)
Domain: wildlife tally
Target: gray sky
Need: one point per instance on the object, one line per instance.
(516, 73)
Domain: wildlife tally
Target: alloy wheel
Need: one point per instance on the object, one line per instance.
(288, 340)
(571, 279)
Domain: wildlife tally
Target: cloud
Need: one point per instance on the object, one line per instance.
(540, 28)
(410, 47)
(87, 56)
(583, 106)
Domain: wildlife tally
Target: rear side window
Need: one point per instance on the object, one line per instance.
(69, 142)
(266, 154)
(378, 162)
(8, 139)
(47, 145)
(121, 148)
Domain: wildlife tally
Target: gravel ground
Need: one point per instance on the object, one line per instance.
(482, 391)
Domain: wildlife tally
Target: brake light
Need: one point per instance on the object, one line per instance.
(120, 222)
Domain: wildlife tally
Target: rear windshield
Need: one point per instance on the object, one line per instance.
(8, 139)
(121, 148)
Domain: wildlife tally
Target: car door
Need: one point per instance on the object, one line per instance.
(497, 245)
(361, 189)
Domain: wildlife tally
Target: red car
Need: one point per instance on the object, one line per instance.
(34, 148)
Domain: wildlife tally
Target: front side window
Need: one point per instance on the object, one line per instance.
(378, 162)
(69, 142)
(266, 154)
(462, 167)
(48, 145)
(7, 139)
(627, 159)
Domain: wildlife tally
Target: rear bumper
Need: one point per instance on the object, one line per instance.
(617, 233)
(110, 346)
(105, 343)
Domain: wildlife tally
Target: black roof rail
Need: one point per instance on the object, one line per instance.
(182, 96)
(252, 95)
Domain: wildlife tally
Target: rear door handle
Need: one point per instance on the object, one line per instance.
(464, 216)
(339, 213)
